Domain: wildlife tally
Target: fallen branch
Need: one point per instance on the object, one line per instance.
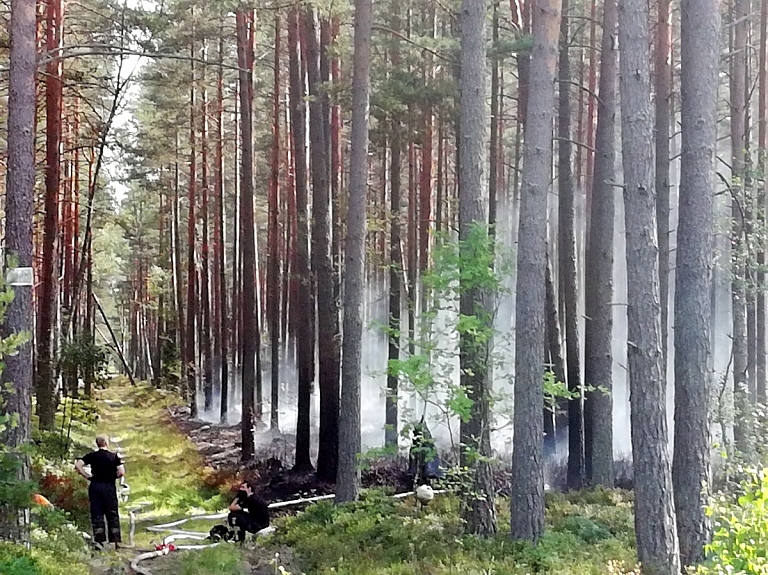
(118, 349)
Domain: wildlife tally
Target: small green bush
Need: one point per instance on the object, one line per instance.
(740, 530)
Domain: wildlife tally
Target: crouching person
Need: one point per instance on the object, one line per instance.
(247, 513)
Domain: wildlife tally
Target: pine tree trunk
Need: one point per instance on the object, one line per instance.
(46, 385)
(177, 274)
(527, 497)
(348, 477)
(691, 470)
(16, 391)
(395, 256)
(567, 256)
(479, 511)
(273, 295)
(663, 77)
(553, 356)
(654, 506)
(327, 305)
(305, 335)
(219, 240)
(761, 203)
(737, 99)
(598, 340)
(191, 358)
(206, 325)
(250, 335)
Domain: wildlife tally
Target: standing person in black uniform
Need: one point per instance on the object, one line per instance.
(247, 512)
(106, 468)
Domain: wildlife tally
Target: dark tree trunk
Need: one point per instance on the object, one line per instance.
(305, 335)
(691, 471)
(327, 305)
(395, 255)
(654, 506)
(567, 257)
(219, 240)
(553, 356)
(206, 327)
(598, 340)
(527, 497)
(250, 340)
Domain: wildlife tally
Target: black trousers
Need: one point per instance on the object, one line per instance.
(103, 498)
(244, 522)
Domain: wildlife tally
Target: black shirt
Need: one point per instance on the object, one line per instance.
(104, 465)
(256, 508)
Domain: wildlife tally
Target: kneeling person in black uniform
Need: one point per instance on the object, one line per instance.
(247, 512)
(106, 468)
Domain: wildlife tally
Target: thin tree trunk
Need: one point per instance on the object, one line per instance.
(598, 340)
(191, 358)
(567, 259)
(177, 275)
(691, 470)
(737, 100)
(553, 355)
(493, 159)
(250, 335)
(220, 239)
(348, 477)
(761, 203)
(273, 296)
(206, 327)
(46, 384)
(654, 506)
(527, 497)
(663, 78)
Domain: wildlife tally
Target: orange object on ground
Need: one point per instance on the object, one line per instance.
(41, 500)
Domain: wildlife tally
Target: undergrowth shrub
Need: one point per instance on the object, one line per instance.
(740, 530)
(68, 492)
(382, 536)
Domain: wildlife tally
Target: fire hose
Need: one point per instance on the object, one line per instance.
(423, 495)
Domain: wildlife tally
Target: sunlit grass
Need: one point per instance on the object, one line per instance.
(163, 466)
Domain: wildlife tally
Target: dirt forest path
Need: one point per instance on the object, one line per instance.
(165, 469)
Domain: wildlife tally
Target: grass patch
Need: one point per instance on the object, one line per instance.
(162, 465)
(222, 560)
(382, 536)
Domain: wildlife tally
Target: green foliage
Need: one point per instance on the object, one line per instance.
(83, 356)
(474, 265)
(18, 560)
(382, 536)
(15, 492)
(740, 535)
(220, 560)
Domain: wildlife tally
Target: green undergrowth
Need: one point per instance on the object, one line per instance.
(586, 534)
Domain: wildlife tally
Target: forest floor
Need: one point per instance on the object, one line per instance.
(165, 469)
(184, 467)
